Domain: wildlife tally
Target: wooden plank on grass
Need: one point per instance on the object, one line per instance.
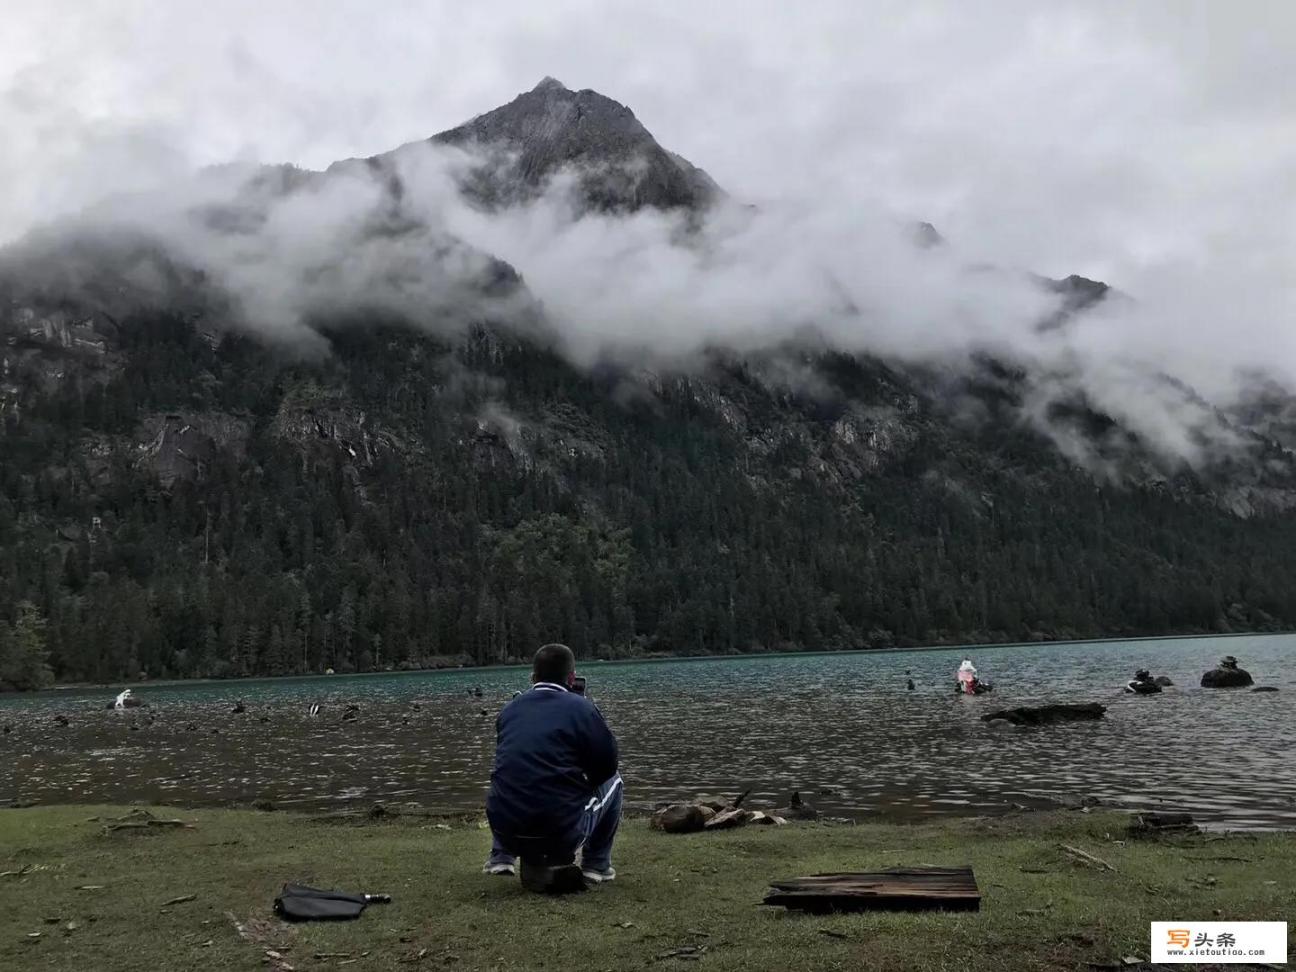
(899, 889)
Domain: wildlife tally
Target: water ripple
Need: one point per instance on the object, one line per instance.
(840, 728)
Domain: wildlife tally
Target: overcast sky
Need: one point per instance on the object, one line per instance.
(1149, 144)
(1090, 137)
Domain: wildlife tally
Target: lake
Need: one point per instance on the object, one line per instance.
(840, 728)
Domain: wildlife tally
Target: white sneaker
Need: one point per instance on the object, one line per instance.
(598, 877)
(500, 868)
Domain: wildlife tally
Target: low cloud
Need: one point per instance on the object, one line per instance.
(1097, 138)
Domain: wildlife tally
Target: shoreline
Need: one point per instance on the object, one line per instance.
(809, 653)
(1064, 889)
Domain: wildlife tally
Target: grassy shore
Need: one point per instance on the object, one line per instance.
(112, 901)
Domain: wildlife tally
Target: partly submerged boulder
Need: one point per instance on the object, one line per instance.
(128, 703)
(1264, 688)
(1227, 675)
(1048, 714)
(1163, 681)
(1143, 683)
(1143, 688)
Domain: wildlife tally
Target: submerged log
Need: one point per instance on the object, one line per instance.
(1048, 714)
(902, 889)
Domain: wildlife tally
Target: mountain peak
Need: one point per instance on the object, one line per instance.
(617, 164)
(549, 83)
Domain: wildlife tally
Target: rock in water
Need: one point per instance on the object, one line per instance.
(1048, 714)
(1143, 683)
(679, 818)
(1227, 675)
(1158, 824)
(1264, 688)
(1163, 681)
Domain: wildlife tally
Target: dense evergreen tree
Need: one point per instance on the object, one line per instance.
(410, 500)
(24, 660)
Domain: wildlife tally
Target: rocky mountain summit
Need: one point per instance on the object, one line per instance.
(550, 133)
(550, 128)
(414, 473)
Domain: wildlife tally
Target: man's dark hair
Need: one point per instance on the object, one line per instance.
(553, 663)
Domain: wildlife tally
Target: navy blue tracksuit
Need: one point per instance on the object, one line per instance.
(555, 782)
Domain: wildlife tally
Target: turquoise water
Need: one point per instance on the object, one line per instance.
(841, 728)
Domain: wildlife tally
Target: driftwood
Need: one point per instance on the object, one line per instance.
(1085, 857)
(1048, 714)
(142, 820)
(899, 889)
(708, 814)
(726, 819)
(681, 818)
(147, 825)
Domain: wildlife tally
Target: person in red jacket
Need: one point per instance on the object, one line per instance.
(555, 791)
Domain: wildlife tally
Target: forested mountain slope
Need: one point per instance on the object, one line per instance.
(179, 497)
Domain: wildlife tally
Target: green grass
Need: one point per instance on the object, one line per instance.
(1040, 911)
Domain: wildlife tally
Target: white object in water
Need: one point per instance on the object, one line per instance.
(314, 709)
(121, 699)
(966, 675)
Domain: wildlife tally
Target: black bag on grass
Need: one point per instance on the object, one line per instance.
(299, 903)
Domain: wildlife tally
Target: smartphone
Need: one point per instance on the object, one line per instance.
(578, 685)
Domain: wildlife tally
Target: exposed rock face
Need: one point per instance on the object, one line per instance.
(1077, 293)
(180, 445)
(1049, 714)
(617, 164)
(310, 416)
